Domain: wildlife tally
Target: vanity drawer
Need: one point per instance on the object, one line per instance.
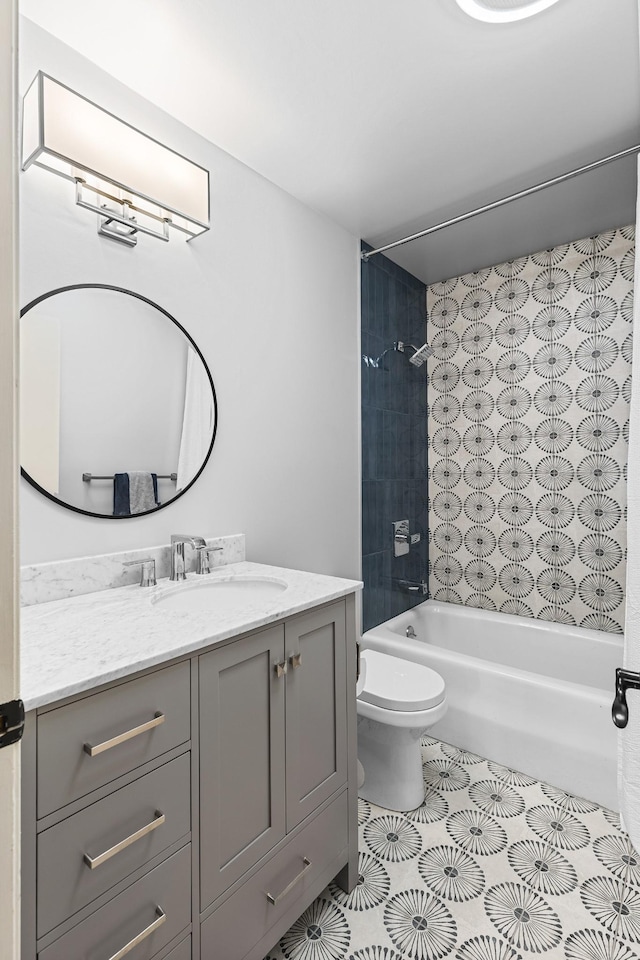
(139, 910)
(123, 728)
(237, 925)
(66, 881)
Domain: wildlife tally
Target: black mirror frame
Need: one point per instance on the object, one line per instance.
(138, 296)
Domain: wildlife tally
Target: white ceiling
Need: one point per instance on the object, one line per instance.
(389, 115)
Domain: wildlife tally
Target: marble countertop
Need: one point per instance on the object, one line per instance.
(72, 645)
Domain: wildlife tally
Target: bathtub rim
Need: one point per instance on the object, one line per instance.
(383, 633)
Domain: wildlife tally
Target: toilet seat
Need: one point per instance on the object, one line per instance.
(396, 684)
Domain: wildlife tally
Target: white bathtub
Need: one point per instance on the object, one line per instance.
(532, 695)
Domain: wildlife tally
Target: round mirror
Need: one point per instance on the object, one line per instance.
(117, 406)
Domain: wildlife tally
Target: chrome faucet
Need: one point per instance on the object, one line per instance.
(414, 586)
(178, 541)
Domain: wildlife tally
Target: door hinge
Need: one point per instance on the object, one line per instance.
(11, 722)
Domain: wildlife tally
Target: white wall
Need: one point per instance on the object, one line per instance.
(270, 295)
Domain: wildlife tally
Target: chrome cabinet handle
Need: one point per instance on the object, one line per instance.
(274, 900)
(93, 862)
(99, 748)
(280, 669)
(295, 660)
(128, 947)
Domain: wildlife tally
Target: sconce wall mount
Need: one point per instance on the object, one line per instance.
(134, 183)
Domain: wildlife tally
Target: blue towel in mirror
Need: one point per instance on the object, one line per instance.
(121, 506)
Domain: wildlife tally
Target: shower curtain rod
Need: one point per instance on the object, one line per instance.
(367, 254)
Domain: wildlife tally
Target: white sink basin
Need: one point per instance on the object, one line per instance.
(221, 595)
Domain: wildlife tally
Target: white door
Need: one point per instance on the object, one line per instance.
(9, 756)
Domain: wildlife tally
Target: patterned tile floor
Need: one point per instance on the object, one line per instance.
(494, 866)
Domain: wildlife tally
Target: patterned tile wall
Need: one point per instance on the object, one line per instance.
(529, 392)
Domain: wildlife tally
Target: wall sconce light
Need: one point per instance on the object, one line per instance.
(134, 184)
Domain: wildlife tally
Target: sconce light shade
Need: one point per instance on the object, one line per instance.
(147, 187)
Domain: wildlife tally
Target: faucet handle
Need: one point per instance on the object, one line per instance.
(203, 561)
(148, 571)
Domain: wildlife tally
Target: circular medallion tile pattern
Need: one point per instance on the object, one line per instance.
(511, 777)
(445, 775)
(595, 945)
(321, 933)
(392, 838)
(451, 873)
(542, 868)
(371, 889)
(618, 856)
(434, 808)
(487, 948)
(533, 363)
(460, 755)
(364, 811)
(523, 917)
(476, 832)
(614, 905)
(558, 827)
(496, 798)
(451, 880)
(420, 925)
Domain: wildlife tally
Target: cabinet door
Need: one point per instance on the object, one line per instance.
(242, 771)
(315, 647)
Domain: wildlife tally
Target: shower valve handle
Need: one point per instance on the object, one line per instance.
(625, 680)
(403, 538)
(407, 538)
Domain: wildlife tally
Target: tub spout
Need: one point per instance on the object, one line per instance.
(413, 586)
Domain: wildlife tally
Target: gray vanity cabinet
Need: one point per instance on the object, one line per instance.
(242, 762)
(316, 720)
(278, 804)
(273, 739)
(106, 821)
(194, 811)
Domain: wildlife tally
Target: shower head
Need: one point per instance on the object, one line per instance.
(417, 358)
(420, 354)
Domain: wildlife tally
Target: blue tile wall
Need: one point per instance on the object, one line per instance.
(394, 437)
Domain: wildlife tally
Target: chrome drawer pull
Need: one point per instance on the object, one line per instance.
(99, 748)
(274, 900)
(128, 947)
(280, 669)
(295, 660)
(93, 862)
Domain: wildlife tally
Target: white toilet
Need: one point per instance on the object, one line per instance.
(397, 703)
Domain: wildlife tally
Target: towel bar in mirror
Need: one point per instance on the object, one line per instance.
(112, 379)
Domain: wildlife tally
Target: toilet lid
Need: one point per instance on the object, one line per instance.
(398, 684)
